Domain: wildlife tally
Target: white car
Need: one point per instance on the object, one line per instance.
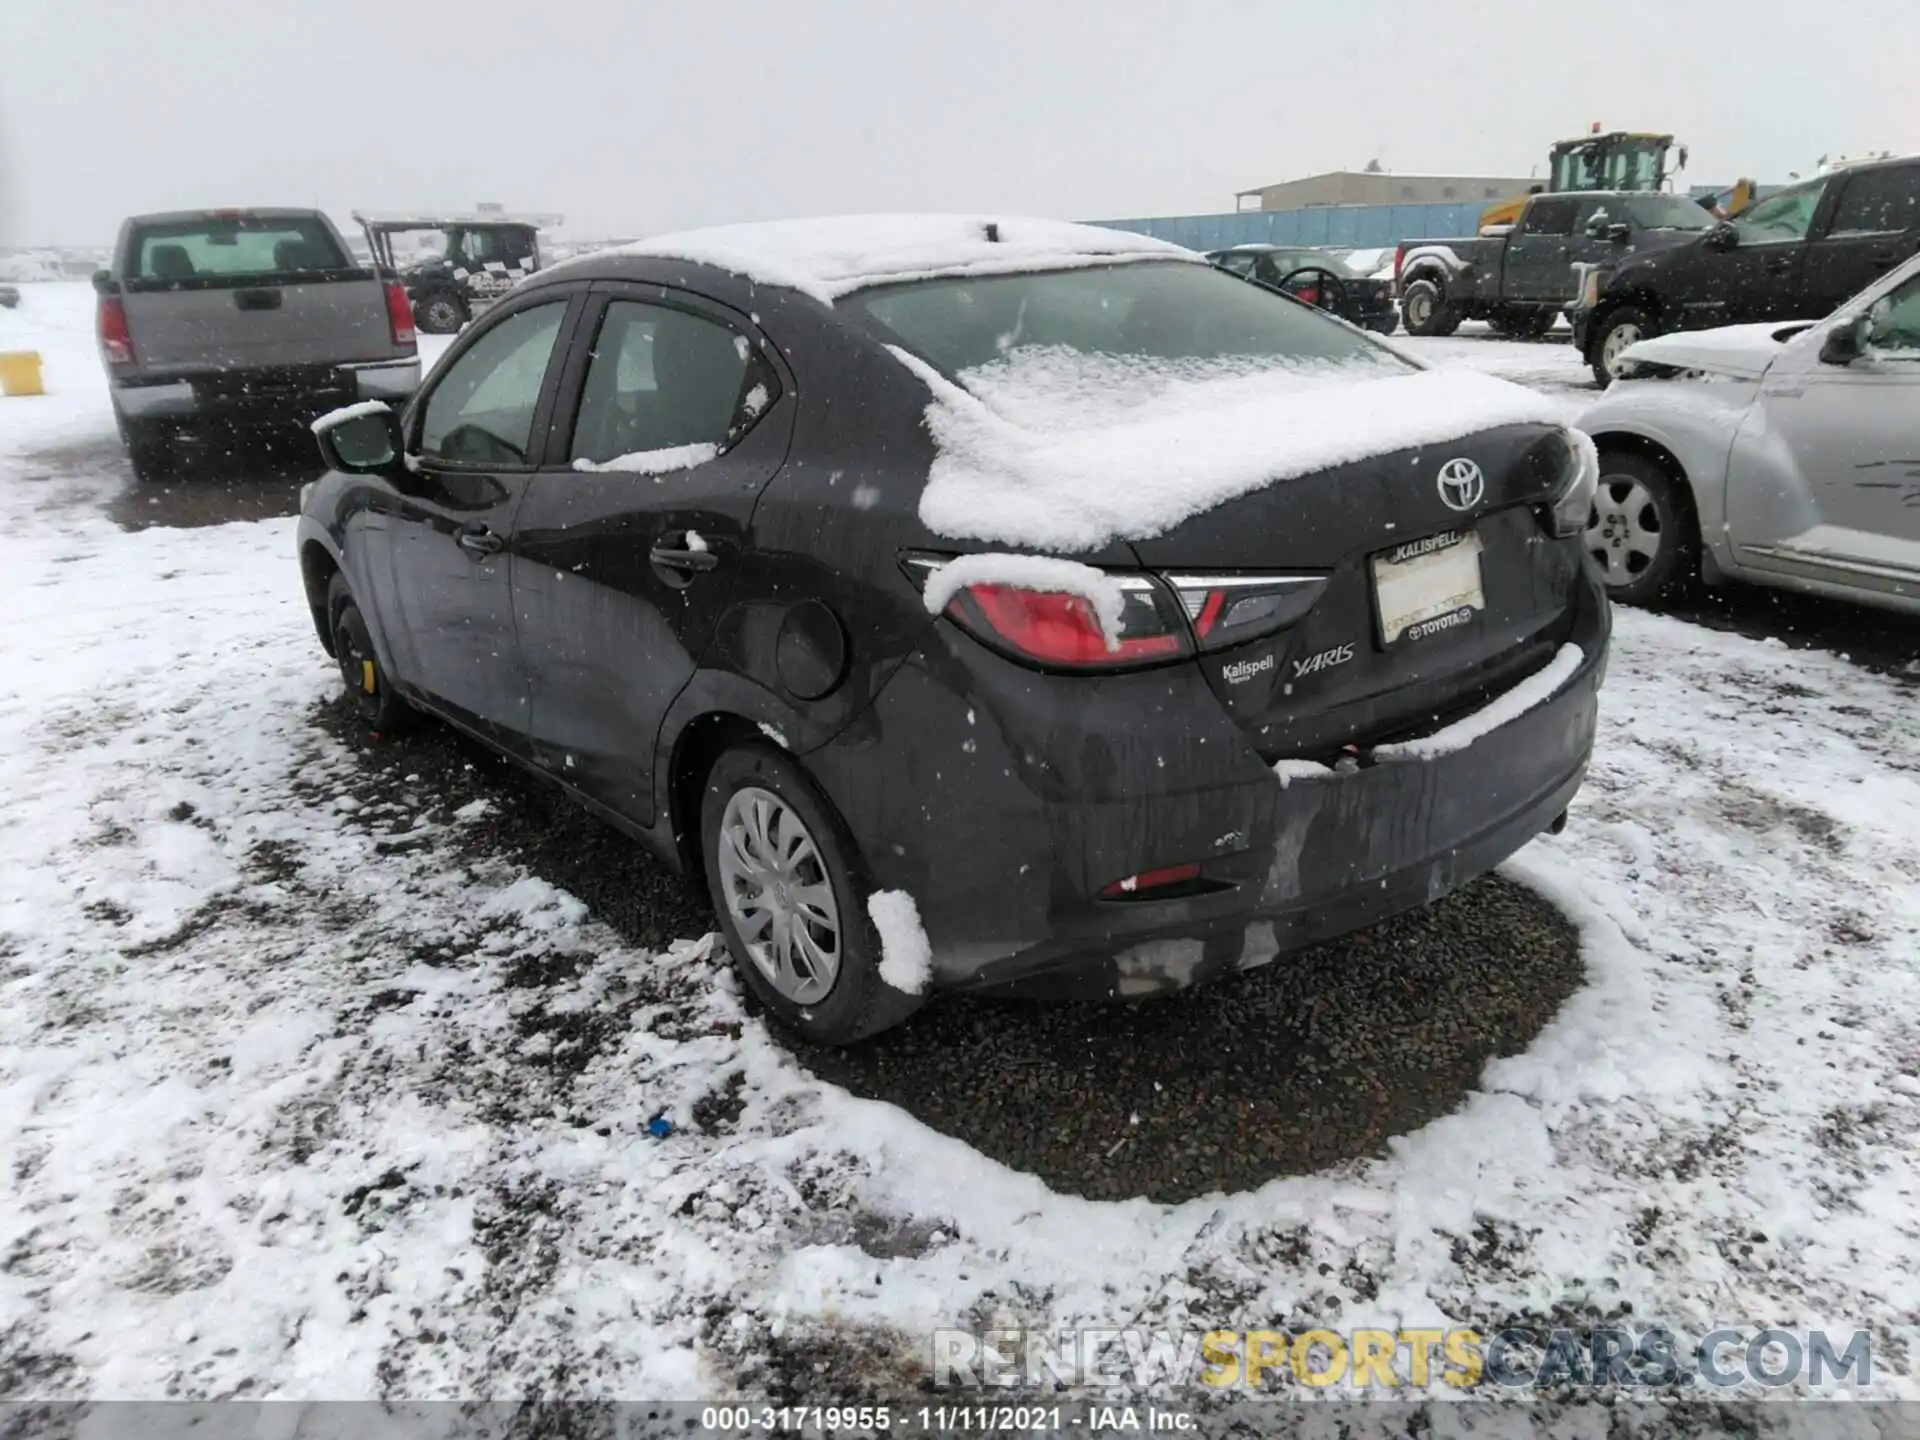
(1785, 454)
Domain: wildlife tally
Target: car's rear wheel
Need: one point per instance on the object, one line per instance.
(1384, 324)
(370, 693)
(1641, 532)
(441, 313)
(784, 880)
(149, 446)
(1622, 328)
(1424, 309)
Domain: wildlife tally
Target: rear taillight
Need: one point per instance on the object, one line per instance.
(1227, 610)
(1150, 881)
(1064, 629)
(1399, 259)
(399, 314)
(116, 341)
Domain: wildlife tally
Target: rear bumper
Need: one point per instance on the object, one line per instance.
(267, 396)
(1581, 319)
(1004, 845)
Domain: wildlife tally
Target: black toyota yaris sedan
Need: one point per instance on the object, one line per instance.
(972, 603)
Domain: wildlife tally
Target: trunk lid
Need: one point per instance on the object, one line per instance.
(1484, 592)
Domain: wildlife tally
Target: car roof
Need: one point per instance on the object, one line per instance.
(833, 256)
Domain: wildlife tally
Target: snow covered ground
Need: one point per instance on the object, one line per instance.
(301, 1098)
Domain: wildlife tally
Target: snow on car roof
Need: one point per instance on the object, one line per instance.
(834, 255)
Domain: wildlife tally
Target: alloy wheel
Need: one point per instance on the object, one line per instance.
(1623, 534)
(778, 894)
(1419, 309)
(1618, 339)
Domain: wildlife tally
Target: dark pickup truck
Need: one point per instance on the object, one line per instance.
(1521, 280)
(243, 318)
(1795, 255)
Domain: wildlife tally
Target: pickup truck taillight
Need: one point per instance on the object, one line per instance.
(116, 341)
(399, 313)
(1399, 259)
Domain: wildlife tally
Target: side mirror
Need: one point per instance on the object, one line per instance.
(361, 439)
(1846, 343)
(1722, 237)
(1620, 234)
(104, 283)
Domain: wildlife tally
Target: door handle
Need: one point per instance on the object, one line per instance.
(679, 563)
(1883, 257)
(478, 541)
(1779, 267)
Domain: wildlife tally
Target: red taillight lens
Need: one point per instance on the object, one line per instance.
(1229, 610)
(116, 341)
(1149, 880)
(399, 313)
(1399, 259)
(1055, 628)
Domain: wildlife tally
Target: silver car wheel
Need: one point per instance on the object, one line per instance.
(1419, 308)
(778, 895)
(1623, 529)
(1618, 339)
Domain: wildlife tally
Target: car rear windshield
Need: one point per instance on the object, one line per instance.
(248, 245)
(1157, 310)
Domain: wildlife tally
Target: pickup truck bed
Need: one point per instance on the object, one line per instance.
(245, 318)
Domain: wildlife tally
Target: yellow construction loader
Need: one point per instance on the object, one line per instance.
(1615, 160)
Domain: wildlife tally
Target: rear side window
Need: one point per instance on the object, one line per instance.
(187, 249)
(481, 410)
(662, 380)
(1878, 202)
(1549, 217)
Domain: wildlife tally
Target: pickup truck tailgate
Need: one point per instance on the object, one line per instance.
(257, 322)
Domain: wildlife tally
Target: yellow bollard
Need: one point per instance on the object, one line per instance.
(20, 373)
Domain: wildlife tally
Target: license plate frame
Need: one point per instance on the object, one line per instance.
(1438, 579)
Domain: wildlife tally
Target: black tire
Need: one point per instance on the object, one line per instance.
(1532, 324)
(858, 1003)
(1384, 324)
(1643, 535)
(373, 698)
(149, 447)
(1424, 309)
(1615, 333)
(440, 312)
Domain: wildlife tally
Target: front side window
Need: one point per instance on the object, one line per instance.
(481, 411)
(1786, 216)
(669, 384)
(1893, 324)
(1668, 212)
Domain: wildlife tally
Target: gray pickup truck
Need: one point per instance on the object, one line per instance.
(244, 319)
(1519, 279)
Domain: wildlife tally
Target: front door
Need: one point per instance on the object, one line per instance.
(1759, 278)
(469, 463)
(1848, 439)
(625, 562)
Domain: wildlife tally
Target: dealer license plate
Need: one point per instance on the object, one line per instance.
(1426, 587)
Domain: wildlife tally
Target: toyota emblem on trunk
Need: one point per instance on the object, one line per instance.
(1461, 484)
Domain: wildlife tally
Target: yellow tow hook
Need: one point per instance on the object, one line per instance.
(366, 676)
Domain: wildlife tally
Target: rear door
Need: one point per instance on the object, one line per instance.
(227, 292)
(625, 560)
(1538, 252)
(1874, 226)
(474, 450)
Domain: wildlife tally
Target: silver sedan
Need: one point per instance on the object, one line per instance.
(1782, 454)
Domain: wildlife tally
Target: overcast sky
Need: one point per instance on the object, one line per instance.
(634, 116)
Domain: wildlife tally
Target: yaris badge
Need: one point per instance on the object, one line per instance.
(1461, 484)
